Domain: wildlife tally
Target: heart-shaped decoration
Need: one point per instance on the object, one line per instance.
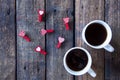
(43, 31)
(22, 33)
(38, 49)
(61, 39)
(41, 12)
(66, 20)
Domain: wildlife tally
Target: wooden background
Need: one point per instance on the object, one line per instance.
(19, 61)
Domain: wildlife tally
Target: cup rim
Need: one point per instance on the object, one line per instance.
(108, 38)
(85, 69)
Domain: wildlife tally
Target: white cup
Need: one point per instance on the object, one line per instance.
(106, 42)
(86, 69)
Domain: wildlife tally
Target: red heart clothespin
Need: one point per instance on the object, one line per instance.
(66, 21)
(60, 41)
(40, 15)
(38, 49)
(43, 31)
(24, 36)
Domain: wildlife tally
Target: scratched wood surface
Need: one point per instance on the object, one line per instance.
(86, 11)
(55, 11)
(112, 61)
(7, 40)
(30, 64)
(19, 61)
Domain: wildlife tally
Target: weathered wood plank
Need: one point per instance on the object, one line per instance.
(7, 39)
(86, 11)
(30, 65)
(56, 10)
(112, 61)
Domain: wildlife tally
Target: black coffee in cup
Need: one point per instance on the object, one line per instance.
(95, 34)
(77, 59)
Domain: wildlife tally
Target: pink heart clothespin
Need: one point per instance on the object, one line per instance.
(38, 49)
(43, 31)
(40, 15)
(60, 41)
(24, 36)
(66, 21)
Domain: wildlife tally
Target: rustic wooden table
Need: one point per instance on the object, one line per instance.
(19, 61)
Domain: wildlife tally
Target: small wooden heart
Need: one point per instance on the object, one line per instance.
(43, 31)
(66, 20)
(22, 33)
(41, 12)
(38, 49)
(60, 39)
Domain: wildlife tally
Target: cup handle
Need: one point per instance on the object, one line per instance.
(109, 48)
(92, 73)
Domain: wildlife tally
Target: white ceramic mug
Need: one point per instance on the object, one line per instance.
(86, 69)
(106, 42)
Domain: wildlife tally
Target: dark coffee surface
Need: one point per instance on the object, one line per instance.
(95, 34)
(76, 59)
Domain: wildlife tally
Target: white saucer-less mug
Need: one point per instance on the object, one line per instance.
(106, 42)
(86, 69)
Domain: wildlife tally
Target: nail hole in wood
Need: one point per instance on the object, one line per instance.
(55, 10)
(82, 6)
(38, 69)
(96, 8)
(24, 67)
(8, 11)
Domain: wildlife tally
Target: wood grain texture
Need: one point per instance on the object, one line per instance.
(55, 11)
(7, 39)
(86, 11)
(112, 61)
(30, 64)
